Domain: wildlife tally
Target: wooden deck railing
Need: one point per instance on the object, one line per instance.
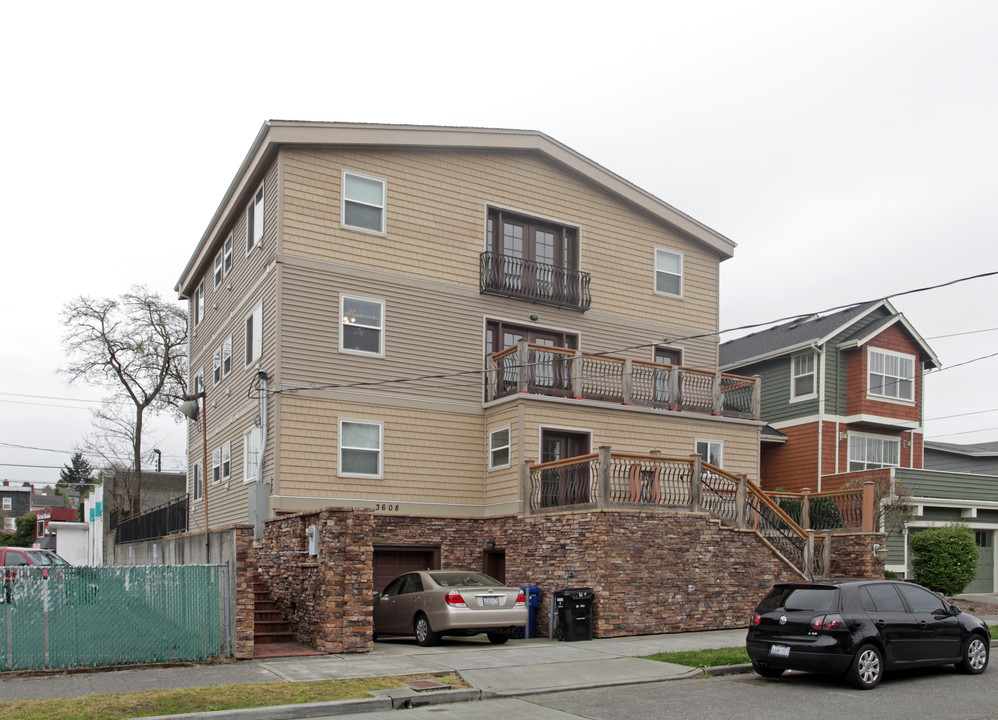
(839, 510)
(546, 370)
(606, 479)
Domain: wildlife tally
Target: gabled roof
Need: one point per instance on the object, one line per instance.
(984, 449)
(812, 330)
(275, 133)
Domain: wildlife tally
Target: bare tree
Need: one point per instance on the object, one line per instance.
(136, 347)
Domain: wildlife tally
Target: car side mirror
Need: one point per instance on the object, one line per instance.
(377, 595)
(954, 610)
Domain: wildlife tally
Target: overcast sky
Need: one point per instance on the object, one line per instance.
(848, 148)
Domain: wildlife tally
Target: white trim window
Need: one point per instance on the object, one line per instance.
(227, 356)
(891, 375)
(711, 451)
(668, 272)
(216, 466)
(227, 254)
(870, 452)
(197, 481)
(499, 448)
(218, 269)
(251, 454)
(360, 448)
(226, 461)
(254, 335)
(197, 305)
(362, 326)
(254, 220)
(363, 203)
(803, 376)
(217, 367)
(8, 503)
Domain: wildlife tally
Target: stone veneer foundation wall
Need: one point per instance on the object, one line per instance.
(653, 572)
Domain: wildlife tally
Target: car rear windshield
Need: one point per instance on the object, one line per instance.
(44, 558)
(468, 579)
(813, 599)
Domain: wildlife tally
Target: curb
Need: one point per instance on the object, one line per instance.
(333, 707)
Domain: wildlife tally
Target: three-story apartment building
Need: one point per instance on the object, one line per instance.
(399, 317)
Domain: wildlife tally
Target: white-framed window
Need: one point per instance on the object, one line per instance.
(216, 466)
(363, 203)
(226, 461)
(891, 375)
(668, 272)
(227, 356)
(227, 254)
(254, 335)
(360, 448)
(499, 446)
(803, 376)
(711, 451)
(251, 453)
(217, 367)
(8, 503)
(218, 269)
(197, 384)
(197, 481)
(197, 304)
(362, 326)
(254, 220)
(869, 452)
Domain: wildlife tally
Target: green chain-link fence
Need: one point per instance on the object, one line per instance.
(65, 617)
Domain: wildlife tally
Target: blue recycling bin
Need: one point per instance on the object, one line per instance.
(533, 594)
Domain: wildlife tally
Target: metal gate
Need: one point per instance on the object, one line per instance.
(63, 617)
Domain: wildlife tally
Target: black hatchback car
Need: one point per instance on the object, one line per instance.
(861, 629)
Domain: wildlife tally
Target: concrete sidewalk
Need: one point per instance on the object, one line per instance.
(517, 668)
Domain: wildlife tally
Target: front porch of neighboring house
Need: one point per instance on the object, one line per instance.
(563, 372)
(788, 524)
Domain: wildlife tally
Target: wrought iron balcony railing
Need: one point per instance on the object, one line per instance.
(514, 277)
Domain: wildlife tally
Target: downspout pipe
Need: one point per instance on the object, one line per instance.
(820, 383)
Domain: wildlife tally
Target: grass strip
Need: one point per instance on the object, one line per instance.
(704, 658)
(218, 697)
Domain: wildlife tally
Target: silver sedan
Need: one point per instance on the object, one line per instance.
(433, 603)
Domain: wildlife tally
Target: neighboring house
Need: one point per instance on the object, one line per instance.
(15, 501)
(420, 304)
(842, 393)
(977, 458)
(43, 518)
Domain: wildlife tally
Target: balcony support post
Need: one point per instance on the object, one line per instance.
(809, 553)
(491, 379)
(805, 508)
(604, 475)
(718, 395)
(757, 397)
(869, 503)
(674, 388)
(695, 482)
(524, 371)
(627, 382)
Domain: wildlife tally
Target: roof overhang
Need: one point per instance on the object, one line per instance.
(277, 133)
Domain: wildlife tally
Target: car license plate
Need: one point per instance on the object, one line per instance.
(779, 650)
(490, 600)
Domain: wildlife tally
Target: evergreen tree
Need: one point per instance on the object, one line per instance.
(77, 476)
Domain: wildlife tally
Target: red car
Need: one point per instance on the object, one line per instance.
(15, 556)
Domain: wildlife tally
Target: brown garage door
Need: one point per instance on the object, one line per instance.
(391, 561)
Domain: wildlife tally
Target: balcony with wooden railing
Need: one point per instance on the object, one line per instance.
(517, 277)
(546, 370)
(613, 480)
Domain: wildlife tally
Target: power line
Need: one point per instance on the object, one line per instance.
(460, 373)
(49, 397)
(947, 417)
(960, 334)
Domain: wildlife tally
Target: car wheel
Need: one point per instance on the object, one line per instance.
(975, 656)
(866, 669)
(424, 633)
(766, 671)
(498, 638)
